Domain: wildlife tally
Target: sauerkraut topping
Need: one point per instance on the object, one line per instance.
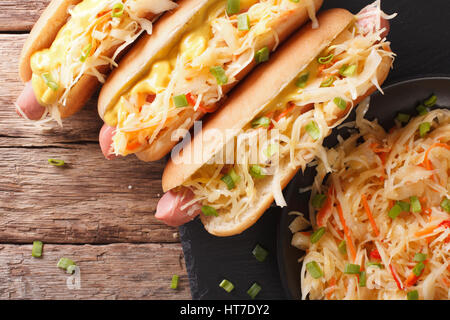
(95, 34)
(293, 125)
(191, 76)
(385, 210)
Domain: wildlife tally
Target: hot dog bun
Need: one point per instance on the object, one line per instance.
(167, 31)
(260, 88)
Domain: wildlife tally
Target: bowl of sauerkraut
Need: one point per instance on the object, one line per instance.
(371, 220)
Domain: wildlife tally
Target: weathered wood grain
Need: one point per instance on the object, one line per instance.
(117, 271)
(20, 15)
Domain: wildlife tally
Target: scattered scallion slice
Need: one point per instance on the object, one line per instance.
(326, 59)
(49, 82)
(230, 179)
(117, 10)
(347, 71)
(226, 285)
(413, 295)
(36, 251)
(271, 150)
(233, 6)
(64, 263)
(431, 101)
(420, 257)
(180, 101)
(313, 130)
(418, 268)
(174, 283)
(318, 200)
(260, 253)
(56, 162)
(404, 205)
(219, 73)
(424, 128)
(243, 22)
(302, 80)
(71, 269)
(375, 264)
(295, 1)
(315, 237)
(342, 247)
(422, 110)
(403, 117)
(254, 290)
(261, 122)
(362, 279)
(256, 171)
(209, 211)
(86, 52)
(314, 269)
(351, 268)
(415, 204)
(341, 103)
(262, 55)
(328, 82)
(445, 204)
(395, 211)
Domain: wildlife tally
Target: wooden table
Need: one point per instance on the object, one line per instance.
(99, 213)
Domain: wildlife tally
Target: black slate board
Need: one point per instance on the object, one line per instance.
(420, 36)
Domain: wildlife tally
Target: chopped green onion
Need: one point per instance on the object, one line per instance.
(86, 52)
(431, 101)
(413, 295)
(415, 204)
(254, 290)
(174, 283)
(295, 1)
(256, 171)
(404, 205)
(71, 269)
(362, 279)
(347, 71)
(445, 204)
(219, 73)
(418, 268)
(262, 55)
(260, 253)
(36, 251)
(180, 101)
(351, 268)
(327, 82)
(117, 10)
(226, 285)
(64, 263)
(342, 247)
(313, 130)
(209, 211)
(233, 7)
(243, 22)
(50, 82)
(318, 200)
(422, 110)
(261, 122)
(403, 117)
(231, 178)
(315, 237)
(302, 80)
(325, 60)
(341, 103)
(56, 162)
(424, 128)
(420, 257)
(395, 211)
(375, 264)
(314, 270)
(271, 150)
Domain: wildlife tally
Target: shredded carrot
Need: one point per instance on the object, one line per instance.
(346, 232)
(332, 284)
(425, 231)
(446, 281)
(325, 211)
(369, 215)
(426, 162)
(394, 275)
(285, 112)
(411, 280)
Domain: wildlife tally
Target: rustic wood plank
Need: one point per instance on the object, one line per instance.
(116, 271)
(20, 15)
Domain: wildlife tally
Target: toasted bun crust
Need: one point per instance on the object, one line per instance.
(260, 88)
(168, 29)
(43, 33)
(220, 227)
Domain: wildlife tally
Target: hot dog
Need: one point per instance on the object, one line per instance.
(72, 48)
(309, 87)
(195, 56)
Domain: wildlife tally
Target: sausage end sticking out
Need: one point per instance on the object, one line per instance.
(105, 140)
(368, 20)
(170, 208)
(28, 104)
